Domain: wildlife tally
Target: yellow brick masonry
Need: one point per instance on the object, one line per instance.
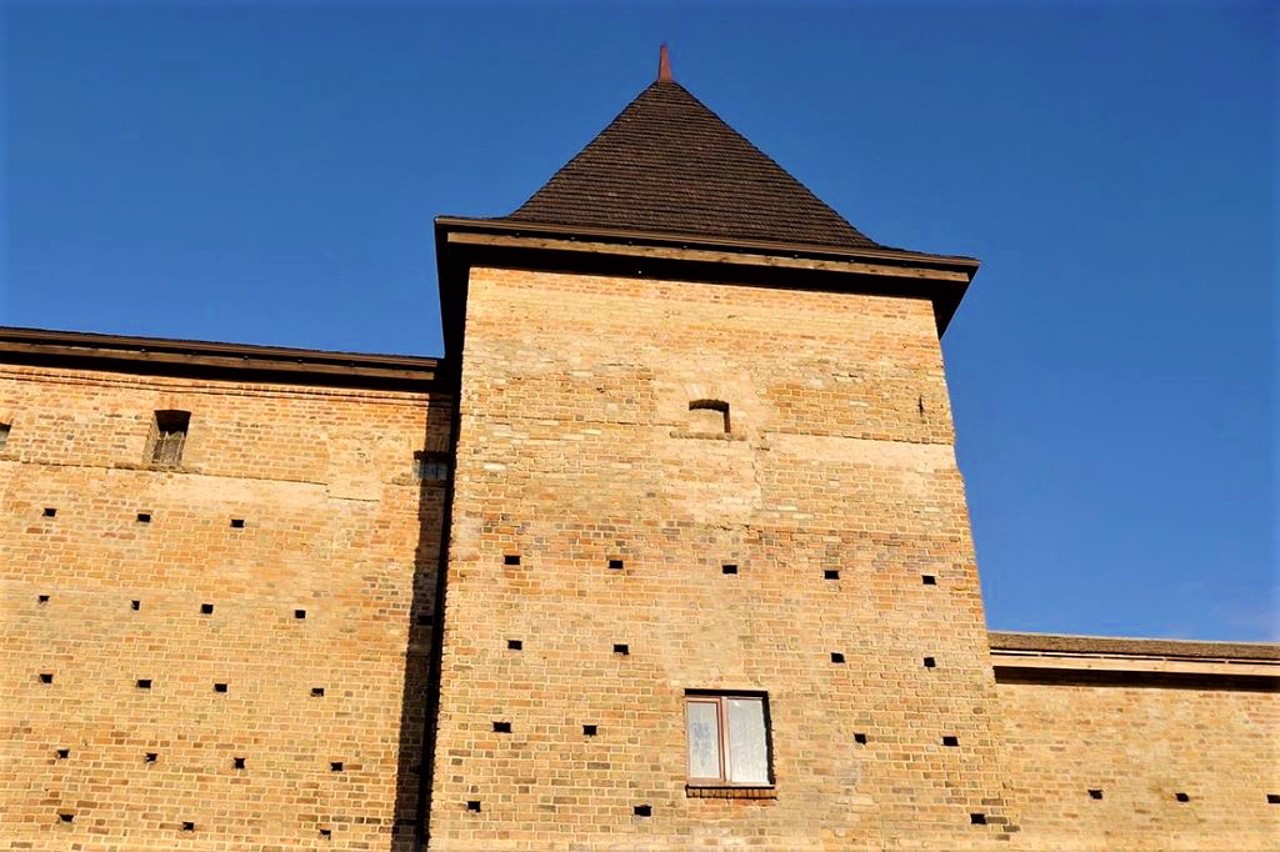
(334, 526)
(577, 446)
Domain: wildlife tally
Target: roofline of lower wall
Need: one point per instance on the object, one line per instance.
(212, 360)
(1043, 658)
(463, 243)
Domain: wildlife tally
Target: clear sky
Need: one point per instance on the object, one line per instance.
(267, 173)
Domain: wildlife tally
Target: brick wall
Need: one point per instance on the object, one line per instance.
(1138, 747)
(335, 528)
(577, 447)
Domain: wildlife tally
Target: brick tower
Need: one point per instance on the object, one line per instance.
(710, 577)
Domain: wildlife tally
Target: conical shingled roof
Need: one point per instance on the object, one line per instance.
(668, 164)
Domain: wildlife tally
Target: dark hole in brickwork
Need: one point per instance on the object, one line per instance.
(624, 650)
(930, 662)
(144, 517)
(515, 645)
(206, 609)
(860, 739)
(219, 687)
(326, 833)
(135, 605)
(317, 692)
(64, 753)
(335, 766)
(144, 683)
(511, 559)
(643, 810)
(237, 763)
(1182, 797)
(50, 512)
(502, 727)
(67, 817)
(1273, 798)
(589, 730)
(831, 574)
(978, 819)
(837, 657)
(44, 599)
(615, 565)
(46, 677)
(929, 579)
(299, 614)
(729, 569)
(188, 826)
(473, 806)
(237, 523)
(1095, 794)
(951, 741)
(150, 757)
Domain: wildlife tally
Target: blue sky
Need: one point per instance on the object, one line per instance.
(267, 173)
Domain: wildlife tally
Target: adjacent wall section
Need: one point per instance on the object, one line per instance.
(170, 678)
(594, 515)
(1141, 744)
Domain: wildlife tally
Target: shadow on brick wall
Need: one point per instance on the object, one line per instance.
(421, 674)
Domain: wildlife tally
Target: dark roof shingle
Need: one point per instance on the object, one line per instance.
(668, 164)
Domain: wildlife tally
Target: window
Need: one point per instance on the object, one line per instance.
(169, 433)
(709, 416)
(728, 739)
(430, 467)
(4, 434)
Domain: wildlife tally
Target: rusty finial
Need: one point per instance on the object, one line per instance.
(664, 64)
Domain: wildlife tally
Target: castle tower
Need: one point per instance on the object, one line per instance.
(710, 576)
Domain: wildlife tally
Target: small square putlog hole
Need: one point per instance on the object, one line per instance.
(831, 574)
(63, 753)
(42, 599)
(50, 512)
(150, 757)
(930, 663)
(144, 517)
(300, 614)
(335, 766)
(237, 523)
(135, 605)
(1273, 798)
(622, 650)
(425, 619)
(326, 833)
(837, 657)
(67, 817)
(643, 810)
(729, 568)
(1182, 797)
(473, 806)
(219, 687)
(144, 683)
(615, 565)
(590, 730)
(977, 819)
(317, 692)
(237, 763)
(860, 739)
(502, 727)
(188, 826)
(1095, 794)
(511, 559)
(206, 609)
(515, 645)
(46, 677)
(951, 742)
(928, 579)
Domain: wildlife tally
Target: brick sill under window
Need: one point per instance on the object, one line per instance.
(721, 791)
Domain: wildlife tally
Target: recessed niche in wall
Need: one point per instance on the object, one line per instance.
(709, 416)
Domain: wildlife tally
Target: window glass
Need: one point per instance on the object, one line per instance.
(748, 752)
(704, 740)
